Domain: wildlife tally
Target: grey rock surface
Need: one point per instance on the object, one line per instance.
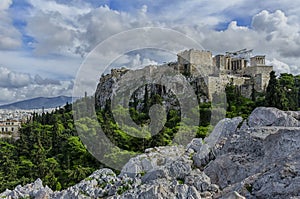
(225, 128)
(261, 160)
(263, 116)
(153, 158)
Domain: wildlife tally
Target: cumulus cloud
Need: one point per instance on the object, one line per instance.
(279, 66)
(233, 38)
(274, 34)
(269, 22)
(137, 61)
(45, 81)
(77, 29)
(10, 37)
(12, 79)
(16, 86)
(281, 39)
(55, 27)
(4, 4)
(279, 31)
(7, 95)
(102, 23)
(60, 68)
(64, 29)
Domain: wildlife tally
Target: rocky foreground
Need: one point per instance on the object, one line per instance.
(255, 158)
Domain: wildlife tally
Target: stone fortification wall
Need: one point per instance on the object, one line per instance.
(261, 76)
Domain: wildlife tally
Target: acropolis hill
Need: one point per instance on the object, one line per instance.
(207, 74)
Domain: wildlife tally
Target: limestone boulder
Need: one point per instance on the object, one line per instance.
(224, 129)
(152, 159)
(261, 162)
(264, 116)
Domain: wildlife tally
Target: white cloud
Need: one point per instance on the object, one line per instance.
(45, 81)
(62, 29)
(279, 66)
(78, 27)
(68, 11)
(56, 27)
(280, 32)
(289, 6)
(269, 22)
(10, 37)
(7, 95)
(53, 67)
(143, 10)
(15, 86)
(13, 79)
(103, 23)
(194, 12)
(234, 37)
(5, 4)
(137, 61)
(274, 34)
(50, 37)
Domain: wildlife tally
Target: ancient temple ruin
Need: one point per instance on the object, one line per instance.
(244, 70)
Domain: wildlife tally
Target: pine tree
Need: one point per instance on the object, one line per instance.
(272, 95)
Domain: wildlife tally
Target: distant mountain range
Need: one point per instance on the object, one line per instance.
(39, 103)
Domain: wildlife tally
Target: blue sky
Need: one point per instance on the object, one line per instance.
(48, 40)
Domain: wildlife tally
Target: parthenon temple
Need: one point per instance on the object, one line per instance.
(240, 67)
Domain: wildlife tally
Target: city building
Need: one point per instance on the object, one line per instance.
(9, 126)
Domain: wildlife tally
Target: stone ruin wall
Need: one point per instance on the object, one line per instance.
(217, 84)
(203, 59)
(261, 75)
(190, 60)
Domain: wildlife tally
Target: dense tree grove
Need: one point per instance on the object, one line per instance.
(283, 92)
(49, 147)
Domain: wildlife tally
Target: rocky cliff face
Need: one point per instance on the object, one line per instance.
(159, 81)
(257, 158)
